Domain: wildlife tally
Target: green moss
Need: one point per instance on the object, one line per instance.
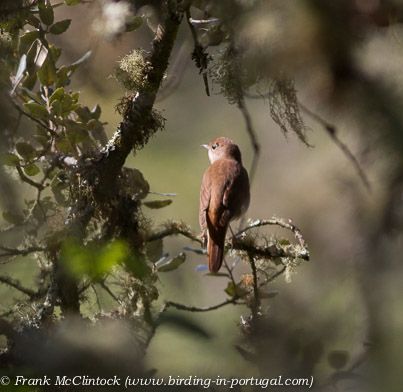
(132, 70)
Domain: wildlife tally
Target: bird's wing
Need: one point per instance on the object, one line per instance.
(205, 196)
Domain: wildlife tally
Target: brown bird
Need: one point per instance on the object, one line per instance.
(224, 196)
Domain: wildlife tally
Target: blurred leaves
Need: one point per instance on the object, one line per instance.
(93, 261)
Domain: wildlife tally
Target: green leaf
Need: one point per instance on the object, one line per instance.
(31, 170)
(27, 40)
(25, 150)
(155, 204)
(60, 27)
(47, 73)
(36, 110)
(235, 290)
(9, 159)
(63, 145)
(55, 52)
(57, 94)
(63, 76)
(46, 13)
(134, 24)
(72, 2)
(171, 264)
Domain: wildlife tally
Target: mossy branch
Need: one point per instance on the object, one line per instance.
(272, 251)
(134, 130)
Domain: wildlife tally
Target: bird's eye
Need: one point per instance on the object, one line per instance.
(214, 146)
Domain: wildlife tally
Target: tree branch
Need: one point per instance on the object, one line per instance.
(332, 132)
(20, 252)
(233, 301)
(17, 285)
(134, 130)
(272, 251)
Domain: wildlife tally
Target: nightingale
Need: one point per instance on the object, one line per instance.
(224, 196)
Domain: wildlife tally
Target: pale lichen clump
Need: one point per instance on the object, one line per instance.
(131, 70)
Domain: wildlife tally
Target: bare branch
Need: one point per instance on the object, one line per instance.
(20, 252)
(252, 136)
(109, 291)
(199, 54)
(174, 228)
(17, 285)
(332, 132)
(233, 301)
(27, 180)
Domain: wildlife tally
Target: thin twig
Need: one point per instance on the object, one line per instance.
(332, 132)
(255, 145)
(256, 303)
(233, 301)
(17, 285)
(199, 54)
(27, 180)
(109, 291)
(96, 297)
(273, 277)
(20, 252)
(174, 228)
(252, 136)
(32, 118)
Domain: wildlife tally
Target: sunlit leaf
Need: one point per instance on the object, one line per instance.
(171, 264)
(37, 110)
(22, 66)
(198, 251)
(31, 170)
(81, 60)
(57, 94)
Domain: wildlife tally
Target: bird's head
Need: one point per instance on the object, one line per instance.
(222, 147)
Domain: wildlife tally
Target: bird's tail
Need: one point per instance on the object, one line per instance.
(215, 249)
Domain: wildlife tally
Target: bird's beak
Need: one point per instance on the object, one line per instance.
(204, 145)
